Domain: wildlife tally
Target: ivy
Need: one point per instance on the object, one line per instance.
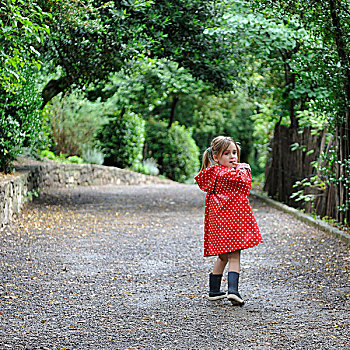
(22, 31)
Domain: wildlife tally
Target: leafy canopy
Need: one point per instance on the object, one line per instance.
(22, 30)
(91, 39)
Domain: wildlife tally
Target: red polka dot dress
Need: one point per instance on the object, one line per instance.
(229, 222)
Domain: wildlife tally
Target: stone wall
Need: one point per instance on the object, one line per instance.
(39, 176)
(13, 195)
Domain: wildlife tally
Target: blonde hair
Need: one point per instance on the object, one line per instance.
(217, 147)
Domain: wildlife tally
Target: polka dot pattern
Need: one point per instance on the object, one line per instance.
(229, 222)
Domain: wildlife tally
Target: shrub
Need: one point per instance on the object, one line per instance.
(10, 138)
(93, 156)
(61, 157)
(174, 150)
(151, 165)
(122, 139)
(148, 167)
(75, 160)
(20, 120)
(224, 114)
(48, 154)
(75, 122)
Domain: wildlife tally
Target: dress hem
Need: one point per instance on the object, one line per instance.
(231, 251)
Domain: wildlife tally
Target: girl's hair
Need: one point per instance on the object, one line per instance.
(217, 147)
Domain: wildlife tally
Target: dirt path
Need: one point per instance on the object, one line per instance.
(122, 268)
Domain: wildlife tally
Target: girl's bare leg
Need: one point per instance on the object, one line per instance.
(220, 264)
(234, 261)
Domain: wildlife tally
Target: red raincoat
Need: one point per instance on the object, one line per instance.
(229, 222)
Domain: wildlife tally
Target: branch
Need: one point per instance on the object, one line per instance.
(53, 88)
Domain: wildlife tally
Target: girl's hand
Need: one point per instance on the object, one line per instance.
(243, 166)
(234, 165)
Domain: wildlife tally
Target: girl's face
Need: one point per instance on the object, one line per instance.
(229, 157)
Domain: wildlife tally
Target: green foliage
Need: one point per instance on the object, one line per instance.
(329, 162)
(174, 150)
(320, 66)
(49, 155)
(22, 29)
(151, 165)
(122, 139)
(314, 182)
(286, 55)
(148, 166)
(9, 139)
(264, 120)
(61, 158)
(320, 58)
(75, 160)
(221, 114)
(147, 87)
(31, 194)
(93, 156)
(20, 120)
(74, 122)
(90, 39)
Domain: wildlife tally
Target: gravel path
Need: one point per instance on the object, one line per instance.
(122, 268)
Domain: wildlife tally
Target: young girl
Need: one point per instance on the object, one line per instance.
(229, 223)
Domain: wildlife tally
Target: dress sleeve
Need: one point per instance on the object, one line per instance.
(206, 179)
(243, 166)
(241, 174)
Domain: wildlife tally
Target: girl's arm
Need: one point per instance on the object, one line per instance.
(242, 173)
(243, 166)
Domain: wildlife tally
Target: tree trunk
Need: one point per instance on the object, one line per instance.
(342, 132)
(341, 49)
(172, 111)
(288, 166)
(343, 171)
(53, 88)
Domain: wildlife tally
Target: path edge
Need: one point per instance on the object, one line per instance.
(32, 178)
(308, 219)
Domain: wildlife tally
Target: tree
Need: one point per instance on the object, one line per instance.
(83, 42)
(91, 39)
(209, 115)
(328, 22)
(22, 29)
(174, 150)
(150, 87)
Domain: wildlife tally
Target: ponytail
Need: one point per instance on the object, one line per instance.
(206, 159)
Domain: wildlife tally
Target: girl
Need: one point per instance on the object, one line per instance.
(229, 223)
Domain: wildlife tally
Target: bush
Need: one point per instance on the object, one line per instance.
(122, 140)
(49, 155)
(148, 167)
(75, 160)
(93, 156)
(151, 165)
(20, 120)
(226, 114)
(10, 138)
(74, 122)
(61, 157)
(174, 150)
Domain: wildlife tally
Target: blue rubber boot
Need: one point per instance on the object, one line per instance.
(233, 294)
(214, 287)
